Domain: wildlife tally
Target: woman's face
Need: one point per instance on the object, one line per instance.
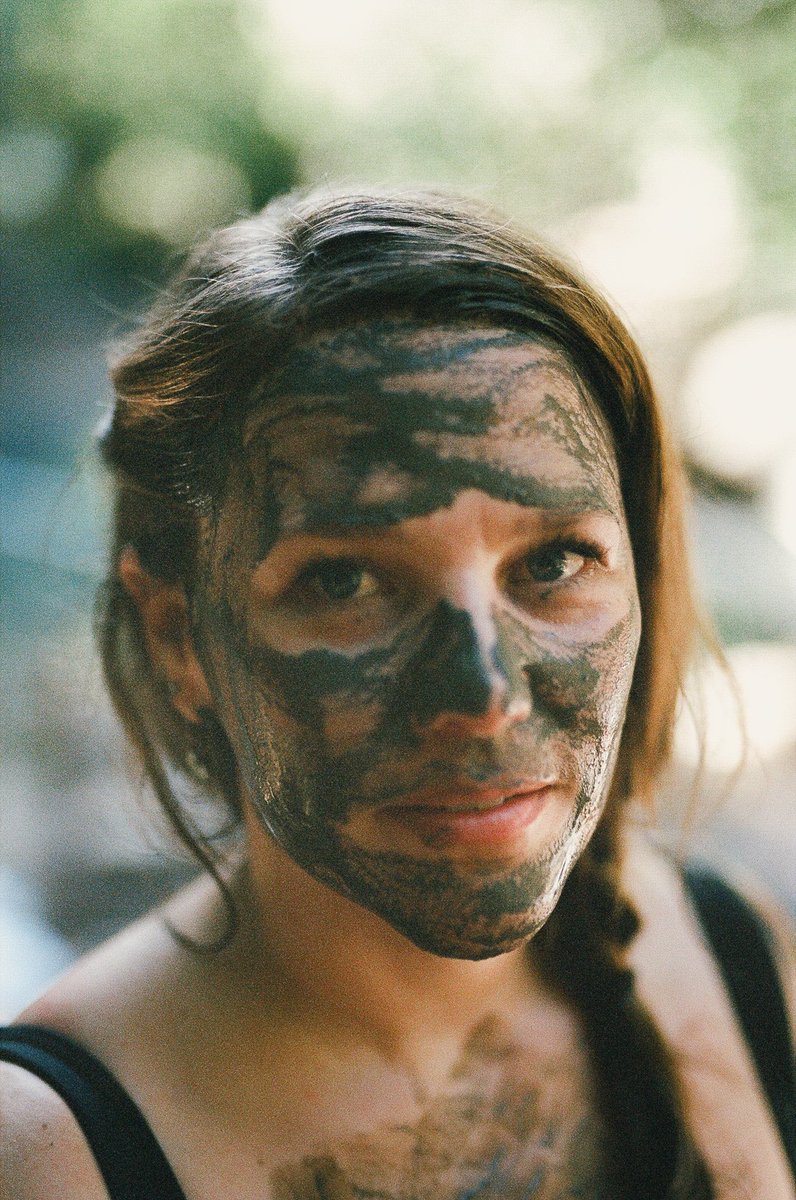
(419, 622)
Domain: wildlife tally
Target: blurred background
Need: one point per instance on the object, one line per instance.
(651, 140)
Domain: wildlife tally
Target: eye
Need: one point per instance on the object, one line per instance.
(554, 563)
(336, 580)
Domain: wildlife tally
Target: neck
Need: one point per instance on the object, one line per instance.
(355, 969)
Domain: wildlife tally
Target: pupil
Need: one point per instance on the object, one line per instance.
(339, 581)
(547, 566)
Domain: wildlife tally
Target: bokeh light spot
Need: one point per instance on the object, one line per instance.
(780, 502)
(765, 677)
(739, 397)
(155, 186)
(678, 240)
(34, 164)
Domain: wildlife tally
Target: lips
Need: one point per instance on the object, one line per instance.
(468, 796)
(471, 815)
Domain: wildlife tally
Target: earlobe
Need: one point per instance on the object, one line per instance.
(163, 608)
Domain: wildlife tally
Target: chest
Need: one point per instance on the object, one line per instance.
(508, 1124)
(489, 1160)
(505, 1127)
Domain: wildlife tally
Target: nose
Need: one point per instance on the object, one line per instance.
(462, 682)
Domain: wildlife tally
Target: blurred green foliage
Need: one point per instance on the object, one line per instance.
(103, 99)
(132, 127)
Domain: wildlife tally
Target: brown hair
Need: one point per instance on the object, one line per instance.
(185, 384)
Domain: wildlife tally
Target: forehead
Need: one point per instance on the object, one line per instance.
(380, 422)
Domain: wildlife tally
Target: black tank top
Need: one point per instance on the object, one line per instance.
(134, 1167)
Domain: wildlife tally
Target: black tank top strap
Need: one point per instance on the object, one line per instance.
(742, 946)
(127, 1153)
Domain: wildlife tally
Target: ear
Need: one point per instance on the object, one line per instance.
(167, 634)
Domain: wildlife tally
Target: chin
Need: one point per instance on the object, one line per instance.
(469, 930)
(480, 913)
(462, 948)
(450, 909)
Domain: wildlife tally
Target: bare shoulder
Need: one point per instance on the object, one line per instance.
(669, 948)
(781, 935)
(680, 984)
(672, 943)
(43, 1154)
(134, 1003)
(133, 976)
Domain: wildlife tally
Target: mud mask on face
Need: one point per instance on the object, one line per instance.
(334, 639)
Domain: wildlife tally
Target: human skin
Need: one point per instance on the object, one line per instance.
(420, 580)
(319, 1054)
(491, 1133)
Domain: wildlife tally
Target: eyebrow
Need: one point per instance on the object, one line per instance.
(339, 522)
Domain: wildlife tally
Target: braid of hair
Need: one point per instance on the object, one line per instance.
(582, 953)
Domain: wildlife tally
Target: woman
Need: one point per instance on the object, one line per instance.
(398, 577)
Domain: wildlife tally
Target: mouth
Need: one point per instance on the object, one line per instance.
(468, 796)
(471, 814)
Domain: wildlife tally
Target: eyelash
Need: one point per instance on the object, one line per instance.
(590, 551)
(310, 574)
(304, 580)
(582, 546)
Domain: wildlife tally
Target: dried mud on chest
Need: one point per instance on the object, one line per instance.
(492, 1136)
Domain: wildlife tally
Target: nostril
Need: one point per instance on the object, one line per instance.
(461, 694)
(489, 720)
(458, 682)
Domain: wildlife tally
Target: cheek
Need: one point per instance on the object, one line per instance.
(317, 688)
(317, 706)
(342, 697)
(578, 682)
(346, 725)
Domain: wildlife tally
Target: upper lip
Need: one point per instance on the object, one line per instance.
(468, 795)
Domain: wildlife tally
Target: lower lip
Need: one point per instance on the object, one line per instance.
(483, 828)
